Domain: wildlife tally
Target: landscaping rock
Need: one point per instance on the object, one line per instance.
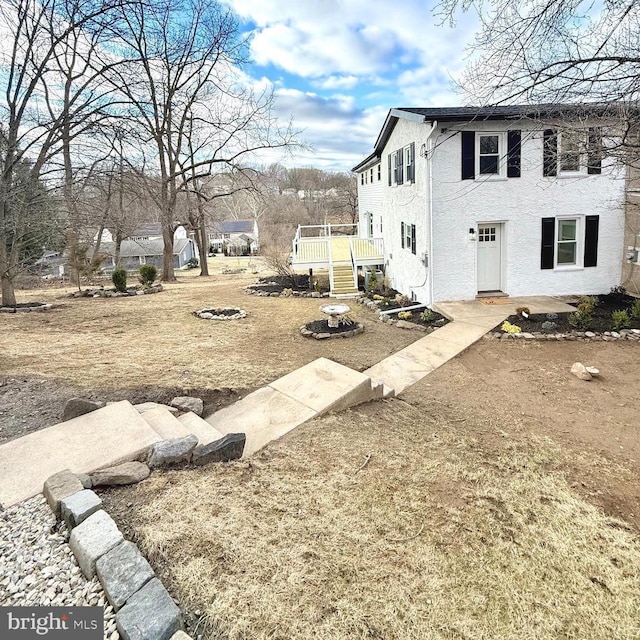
(91, 539)
(172, 451)
(60, 486)
(180, 635)
(79, 506)
(593, 371)
(186, 403)
(403, 324)
(78, 407)
(122, 572)
(228, 448)
(126, 473)
(150, 614)
(85, 479)
(580, 371)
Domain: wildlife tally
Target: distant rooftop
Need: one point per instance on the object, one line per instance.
(234, 226)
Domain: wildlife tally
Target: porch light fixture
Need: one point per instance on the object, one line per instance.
(472, 233)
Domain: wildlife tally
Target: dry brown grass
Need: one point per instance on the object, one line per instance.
(449, 531)
(125, 342)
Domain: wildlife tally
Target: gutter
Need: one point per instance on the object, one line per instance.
(429, 207)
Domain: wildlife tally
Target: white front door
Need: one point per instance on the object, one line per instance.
(489, 257)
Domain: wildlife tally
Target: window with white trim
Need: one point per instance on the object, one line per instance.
(489, 157)
(379, 172)
(398, 167)
(571, 147)
(371, 175)
(567, 242)
(362, 178)
(408, 236)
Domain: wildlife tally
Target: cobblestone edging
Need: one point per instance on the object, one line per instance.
(284, 294)
(216, 313)
(41, 307)
(137, 606)
(112, 293)
(593, 336)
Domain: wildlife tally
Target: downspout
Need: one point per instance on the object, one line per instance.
(429, 208)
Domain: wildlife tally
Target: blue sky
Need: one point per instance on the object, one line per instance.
(337, 66)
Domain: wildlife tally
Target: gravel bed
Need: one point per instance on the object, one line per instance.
(37, 567)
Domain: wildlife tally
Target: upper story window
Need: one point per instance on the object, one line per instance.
(571, 152)
(489, 153)
(571, 148)
(398, 160)
(371, 175)
(379, 172)
(362, 178)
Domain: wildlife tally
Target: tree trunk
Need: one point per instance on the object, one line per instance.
(168, 274)
(8, 292)
(203, 246)
(116, 256)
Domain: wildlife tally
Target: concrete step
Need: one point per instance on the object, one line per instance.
(269, 413)
(200, 428)
(165, 424)
(111, 435)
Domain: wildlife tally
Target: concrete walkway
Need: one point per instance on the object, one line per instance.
(119, 432)
(470, 321)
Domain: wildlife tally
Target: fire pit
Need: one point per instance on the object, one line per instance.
(221, 313)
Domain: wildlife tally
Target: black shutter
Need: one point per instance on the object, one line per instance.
(548, 242)
(513, 153)
(411, 169)
(468, 155)
(591, 241)
(402, 234)
(594, 161)
(550, 153)
(389, 159)
(413, 239)
(400, 154)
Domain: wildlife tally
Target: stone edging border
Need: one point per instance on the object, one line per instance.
(111, 293)
(137, 596)
(359, 328)
(206, 314)
(41, 307)
(606, 336)
(281, 294)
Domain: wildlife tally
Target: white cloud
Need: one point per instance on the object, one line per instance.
(315, 39)
(338, 82)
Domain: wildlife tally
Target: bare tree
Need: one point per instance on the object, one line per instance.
(554, 51)
(183, 80)
(50, 100)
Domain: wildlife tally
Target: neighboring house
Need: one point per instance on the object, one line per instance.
(134, 253)
(494, 201)
(239, 237)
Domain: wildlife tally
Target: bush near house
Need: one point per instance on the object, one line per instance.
(147, 274)
(119, 279)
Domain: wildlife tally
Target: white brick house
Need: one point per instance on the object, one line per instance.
(511, 200)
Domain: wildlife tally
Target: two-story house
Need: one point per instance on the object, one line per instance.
(495, 201)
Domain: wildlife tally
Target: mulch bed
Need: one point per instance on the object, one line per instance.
(277, 284)
(601, 315)
(322, 326)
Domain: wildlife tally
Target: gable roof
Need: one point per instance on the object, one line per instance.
(234, 226)
(470, 114)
